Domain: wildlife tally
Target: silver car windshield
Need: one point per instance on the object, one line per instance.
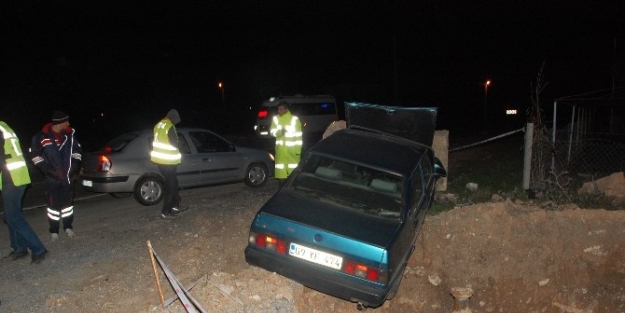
(350, 186)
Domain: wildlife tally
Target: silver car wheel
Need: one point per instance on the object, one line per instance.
(256, 175)
(149, 191)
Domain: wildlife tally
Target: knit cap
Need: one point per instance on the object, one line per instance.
(59, 117)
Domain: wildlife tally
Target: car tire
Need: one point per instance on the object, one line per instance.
(121, 195)
(149, 190)
(256, 175)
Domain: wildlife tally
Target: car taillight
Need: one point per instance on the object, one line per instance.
(104, 164)
(262, 114)
(362, 271)
(268, 242)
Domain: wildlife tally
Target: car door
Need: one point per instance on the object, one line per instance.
(189, 170)
(218, 159)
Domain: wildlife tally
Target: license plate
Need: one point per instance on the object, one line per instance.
(315, 256)
(87, 183)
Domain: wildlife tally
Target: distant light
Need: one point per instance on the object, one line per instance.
(102, 114)
(219, 84)
(510, 112)
(488, 82)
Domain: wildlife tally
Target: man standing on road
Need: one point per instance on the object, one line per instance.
(288, 132)
(13, 183)
(166, 155)
(57, 153)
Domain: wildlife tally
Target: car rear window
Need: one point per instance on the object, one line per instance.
(350, 186)
(118, 143)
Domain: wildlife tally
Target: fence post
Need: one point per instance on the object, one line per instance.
(527, 158)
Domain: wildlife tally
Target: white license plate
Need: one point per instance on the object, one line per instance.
(87, 183)
(315, 256)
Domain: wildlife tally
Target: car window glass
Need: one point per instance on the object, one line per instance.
(350, 186)
(183, 146)
(118, 143)
(206, 142)
(417, 182)
(319, 108)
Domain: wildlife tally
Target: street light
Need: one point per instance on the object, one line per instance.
(223, 99)
(486, 102)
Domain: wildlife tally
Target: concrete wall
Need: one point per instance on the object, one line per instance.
(441, 151)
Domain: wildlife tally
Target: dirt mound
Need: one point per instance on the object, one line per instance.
(516, 258)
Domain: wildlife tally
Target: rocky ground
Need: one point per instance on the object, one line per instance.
(515, 257)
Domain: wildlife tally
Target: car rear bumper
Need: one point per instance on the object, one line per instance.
(329, 282)
(106, 184)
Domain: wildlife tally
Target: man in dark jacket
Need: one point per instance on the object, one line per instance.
(57, 153)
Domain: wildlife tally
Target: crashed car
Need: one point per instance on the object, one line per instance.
(346, 221)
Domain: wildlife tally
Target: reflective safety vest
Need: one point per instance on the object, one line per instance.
(15, 161)
(288, 146)
(163, 152)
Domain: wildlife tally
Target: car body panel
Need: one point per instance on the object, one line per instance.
(360, 195)
(130, 158)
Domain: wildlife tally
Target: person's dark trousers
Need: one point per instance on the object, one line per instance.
(60, 205)
(21, 234)
(171, 198)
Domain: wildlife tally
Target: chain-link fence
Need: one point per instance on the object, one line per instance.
(595, 154)
(582, 157)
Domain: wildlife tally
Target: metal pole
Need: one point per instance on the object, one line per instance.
(527, 158)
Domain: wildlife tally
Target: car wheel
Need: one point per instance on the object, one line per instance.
(256, 175)
(149, 190)
(120, 195)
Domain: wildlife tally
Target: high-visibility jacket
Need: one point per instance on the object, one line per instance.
(15, 162)
(163, 152)
(288, 145)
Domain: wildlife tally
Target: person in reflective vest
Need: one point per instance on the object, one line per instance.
(57, 154)
(287, 129)
(166, 155)
(15, 178)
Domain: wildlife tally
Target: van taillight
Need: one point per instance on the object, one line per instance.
(262, 114)
(104, 164)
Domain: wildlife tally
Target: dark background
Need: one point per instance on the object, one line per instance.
(121, 65)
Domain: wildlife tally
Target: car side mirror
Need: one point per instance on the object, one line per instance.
(439, 169)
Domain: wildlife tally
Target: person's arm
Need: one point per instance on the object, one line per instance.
(76, 158)
(36, 153)
(173, 137)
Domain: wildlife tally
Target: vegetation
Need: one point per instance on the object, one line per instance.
(496, 168)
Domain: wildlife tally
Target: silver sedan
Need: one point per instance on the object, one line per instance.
(123, 166)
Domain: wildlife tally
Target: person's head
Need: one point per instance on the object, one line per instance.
(173, 116)
(60, 121)
(283, 107)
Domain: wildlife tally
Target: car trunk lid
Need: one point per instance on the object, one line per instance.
(413, 123)
(342, 222)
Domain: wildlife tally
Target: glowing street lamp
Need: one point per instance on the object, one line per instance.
(486, 101)
(223, 99)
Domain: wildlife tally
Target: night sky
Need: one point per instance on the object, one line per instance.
(120, 65)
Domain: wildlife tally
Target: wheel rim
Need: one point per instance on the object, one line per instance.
(257, 175)
(150, 191)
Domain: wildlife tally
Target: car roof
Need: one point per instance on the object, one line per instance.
(373, 148)
(185, 129)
